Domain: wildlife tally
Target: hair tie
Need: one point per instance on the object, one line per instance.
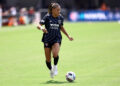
(53, 4)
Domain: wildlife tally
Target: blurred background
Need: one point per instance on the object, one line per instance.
(94, 55)
(21, 12)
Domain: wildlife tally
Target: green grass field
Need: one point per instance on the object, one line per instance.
(94, 56)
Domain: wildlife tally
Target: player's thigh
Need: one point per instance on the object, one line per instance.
(55, 49)
(48, 53)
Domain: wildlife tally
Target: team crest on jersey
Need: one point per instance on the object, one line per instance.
(59, 22)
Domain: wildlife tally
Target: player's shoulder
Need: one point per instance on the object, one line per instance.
(61, 16)
(47, 15)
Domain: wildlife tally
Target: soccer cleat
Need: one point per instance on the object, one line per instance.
(55, 70)
(52, 73)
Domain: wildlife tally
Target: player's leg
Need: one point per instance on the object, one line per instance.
(48, 57)
(55, 52)
(48, 61)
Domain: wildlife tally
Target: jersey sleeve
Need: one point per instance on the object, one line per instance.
(43, 20)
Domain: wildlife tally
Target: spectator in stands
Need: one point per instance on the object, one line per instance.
(103, 7)
(31, 13)
(23, 19)
(13, 19)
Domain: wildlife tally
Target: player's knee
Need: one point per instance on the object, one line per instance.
(55, 55)
(48, 60)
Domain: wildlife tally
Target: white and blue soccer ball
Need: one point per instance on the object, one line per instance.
(70, 76)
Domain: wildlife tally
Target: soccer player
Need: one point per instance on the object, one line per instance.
(52, 38)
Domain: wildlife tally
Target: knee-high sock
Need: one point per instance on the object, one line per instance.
(56, 60)
(49, 65)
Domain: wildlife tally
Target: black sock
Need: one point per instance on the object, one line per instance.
(49, 65)
(56, 60)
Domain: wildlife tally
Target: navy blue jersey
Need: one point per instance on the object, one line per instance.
(52, 25)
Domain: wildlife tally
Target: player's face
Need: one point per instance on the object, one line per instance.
(56, 11)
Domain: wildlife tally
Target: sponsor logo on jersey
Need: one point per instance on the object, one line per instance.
(54, 26)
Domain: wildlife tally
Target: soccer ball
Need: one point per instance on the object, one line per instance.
(70, 76)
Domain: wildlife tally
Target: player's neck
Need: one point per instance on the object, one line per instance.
(54, 15)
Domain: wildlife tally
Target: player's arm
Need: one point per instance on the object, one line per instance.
(41, 28)
(64, 31)
(42, 22)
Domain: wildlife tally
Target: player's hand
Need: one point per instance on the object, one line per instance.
(38, 27)
(70, 38)
(45, 30)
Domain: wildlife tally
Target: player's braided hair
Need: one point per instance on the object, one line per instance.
(51, 6)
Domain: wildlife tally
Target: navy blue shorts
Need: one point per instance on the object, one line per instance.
(49, 45)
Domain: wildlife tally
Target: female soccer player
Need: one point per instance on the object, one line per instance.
(52, 38)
